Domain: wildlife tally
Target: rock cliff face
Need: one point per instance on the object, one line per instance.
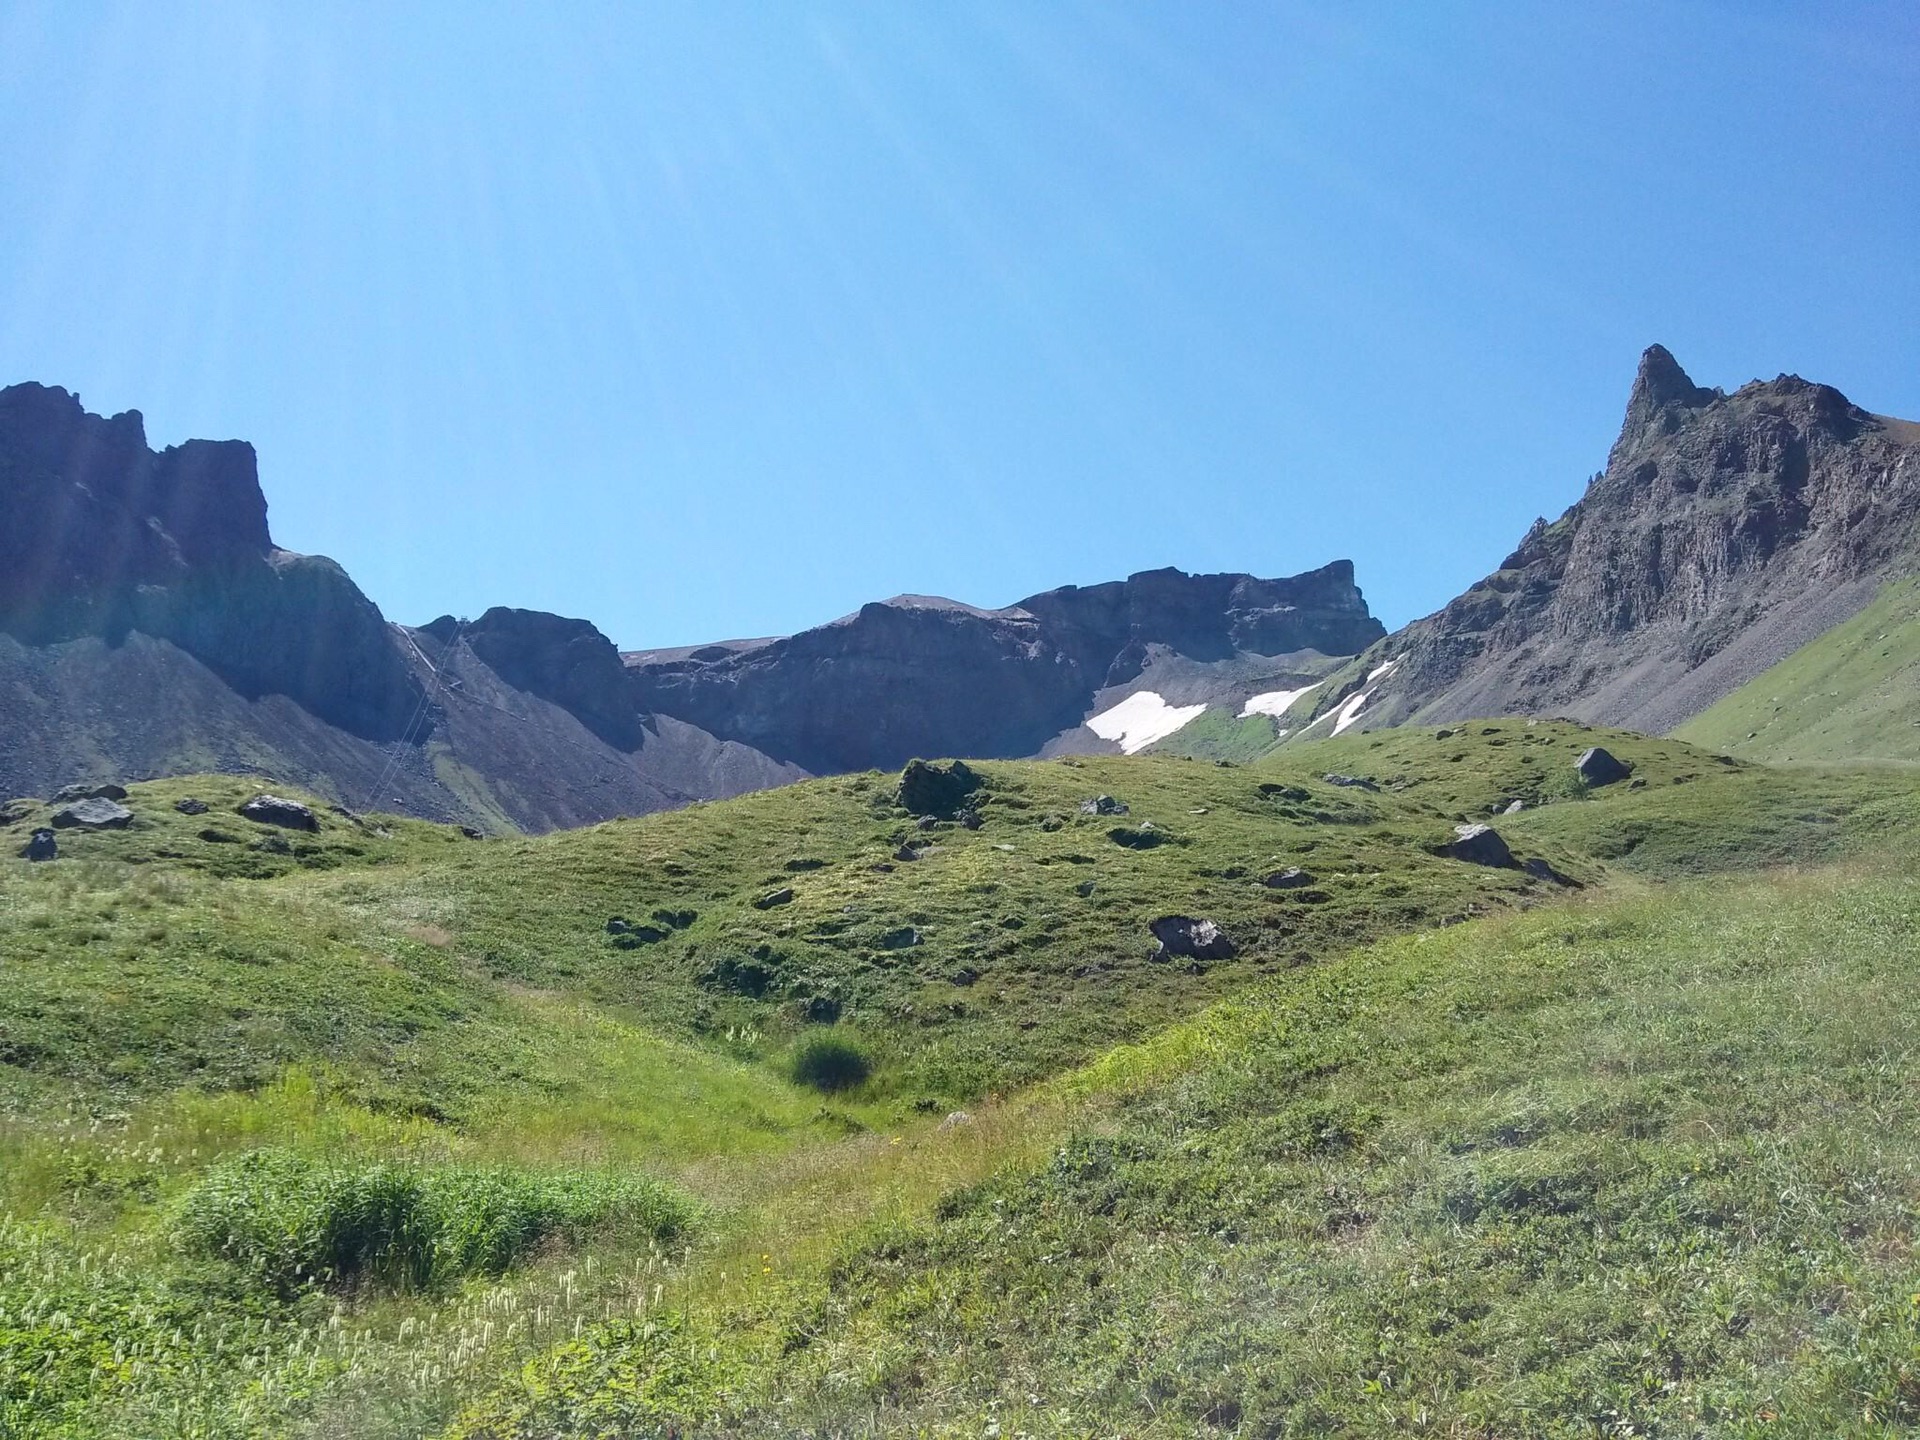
(149, 625)
(923, 676)
(99, 535)
(1725, 531)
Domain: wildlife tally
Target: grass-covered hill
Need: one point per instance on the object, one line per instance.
(1853, 693)
(383, 1128)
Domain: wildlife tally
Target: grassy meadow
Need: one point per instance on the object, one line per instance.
(796, 1112)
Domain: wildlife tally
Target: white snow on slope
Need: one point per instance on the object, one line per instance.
(1274, 702)
(1381, 671)
(1140, 719)
(1350, 709)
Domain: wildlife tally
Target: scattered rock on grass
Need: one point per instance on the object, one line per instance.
(939, 790)
(288, 814)
(1514, 807)
(1103, 805)
(1480, 845)
(96, 814)
(1350, 782)
(190, 806)
(1184, 935)
(1599, 767)
(1292, 878)
(69, 793)
(1144, 836)
(774, 899)
(1541, 870)
(955, 1119)
(41, 845)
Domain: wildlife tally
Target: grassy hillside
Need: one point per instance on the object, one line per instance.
(1852, 694)
(1636, 1165)
(329, 1133)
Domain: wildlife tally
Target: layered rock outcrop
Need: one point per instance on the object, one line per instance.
(923, 676)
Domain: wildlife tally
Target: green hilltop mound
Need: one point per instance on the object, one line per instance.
(354, 1124)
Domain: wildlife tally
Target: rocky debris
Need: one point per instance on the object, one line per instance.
(1541, 870)
(1480, 845)
(1350, 782)
(287, 814)
(971, 820)
(69, 793)
(191, 806)
(1599, 767)
(774, 899)
(927, 822)
(99, 814)
(937, 791)
(1185, 936)
(1292, 878)
(41, 845)
(1103, 805)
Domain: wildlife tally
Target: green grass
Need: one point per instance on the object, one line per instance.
(1848, 695)
(334, 1133)
(1640, 1165)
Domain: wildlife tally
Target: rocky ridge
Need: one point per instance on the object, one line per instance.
(1725, 531)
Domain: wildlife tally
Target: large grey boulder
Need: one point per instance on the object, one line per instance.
(108, 791)
(288, 814)
(1184, 935)
(1599, 767)
(100, 814)
(1480, 845)
(937, 790)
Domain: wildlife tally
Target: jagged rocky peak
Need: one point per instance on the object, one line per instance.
(102, 536)
(87, 505)
(1725, 530)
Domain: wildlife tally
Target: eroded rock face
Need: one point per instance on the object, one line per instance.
(1726, 531)
(566, 661)
(918, 675)
(100, 535)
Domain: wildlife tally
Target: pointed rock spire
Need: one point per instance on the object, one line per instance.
(1660, 385)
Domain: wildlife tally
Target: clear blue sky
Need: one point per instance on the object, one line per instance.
(703, 320)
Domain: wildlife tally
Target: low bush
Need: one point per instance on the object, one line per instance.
(299, 1222)
(826, 1062)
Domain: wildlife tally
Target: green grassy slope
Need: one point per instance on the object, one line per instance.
(445, 1047)
(1851, 694)
(1638, 1165)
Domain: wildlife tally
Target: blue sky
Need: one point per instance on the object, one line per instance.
(708, 320)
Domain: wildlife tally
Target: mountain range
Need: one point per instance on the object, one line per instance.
(150, 625)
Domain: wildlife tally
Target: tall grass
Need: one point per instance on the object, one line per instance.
(295, 1222)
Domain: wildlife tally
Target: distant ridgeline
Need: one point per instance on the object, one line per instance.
(149, 626)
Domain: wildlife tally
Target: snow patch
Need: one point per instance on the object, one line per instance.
(1141, 719)
(1274, 702)
(1350, 709)
(1380, 672)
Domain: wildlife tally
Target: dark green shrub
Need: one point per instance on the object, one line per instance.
(298, 1222)
(826, 1062)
